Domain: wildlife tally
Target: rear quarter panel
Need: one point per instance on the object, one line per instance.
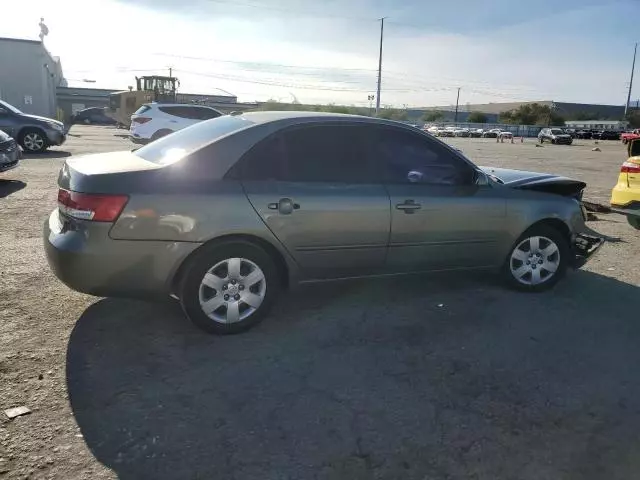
(222, 210)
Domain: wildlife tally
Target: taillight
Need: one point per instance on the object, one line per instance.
(87, 206)
(140, 120)
(630, 167)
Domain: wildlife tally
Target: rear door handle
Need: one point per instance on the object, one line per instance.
(409, 206)
(285, 206)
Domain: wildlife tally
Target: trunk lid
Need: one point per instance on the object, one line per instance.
(113, 172)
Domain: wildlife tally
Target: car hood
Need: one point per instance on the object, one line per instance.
(42, 119)
(541, 182)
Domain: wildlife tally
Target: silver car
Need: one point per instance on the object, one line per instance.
(225, 214)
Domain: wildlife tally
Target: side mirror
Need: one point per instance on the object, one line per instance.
(482, 179)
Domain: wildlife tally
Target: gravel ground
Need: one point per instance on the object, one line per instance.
(412, 378)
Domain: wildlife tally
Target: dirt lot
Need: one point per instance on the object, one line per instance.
(413, 378)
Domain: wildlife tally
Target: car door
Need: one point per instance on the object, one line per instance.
(313, 187)
(441, 217)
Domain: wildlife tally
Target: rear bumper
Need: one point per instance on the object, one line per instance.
(584, 247)
(85, 258)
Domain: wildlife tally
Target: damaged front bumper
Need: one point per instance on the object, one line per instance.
(584, 247)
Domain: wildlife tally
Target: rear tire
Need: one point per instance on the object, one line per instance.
(228, 287)
(160, 134)
(537, 260)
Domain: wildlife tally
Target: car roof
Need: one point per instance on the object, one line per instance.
(293, 117)
(155, 104)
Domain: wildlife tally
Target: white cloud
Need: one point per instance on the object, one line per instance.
(107, 40)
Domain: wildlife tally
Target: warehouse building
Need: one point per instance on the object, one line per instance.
(29, 76)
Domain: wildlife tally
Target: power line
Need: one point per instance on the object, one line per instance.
(293, 11)
(266, 64)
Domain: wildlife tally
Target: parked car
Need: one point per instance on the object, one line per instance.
(583, 134)
(35, 134)
(476, 132)
(433, 129)
(227, 213)
(446, 132)
(155, 120)
(9, 152)
(493, 133)
(605, 135)
(555, 136)
(625, 196)
(626, 137)
(461, 132)
(93, 115)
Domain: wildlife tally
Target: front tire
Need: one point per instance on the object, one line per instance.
(33, 141)
(228, 287)
(537, 260)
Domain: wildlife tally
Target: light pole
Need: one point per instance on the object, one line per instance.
(633, 67)
(371, 98)
(455, 118)
(380, 66)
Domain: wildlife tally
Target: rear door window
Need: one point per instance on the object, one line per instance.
(326, 153)
(318, 153)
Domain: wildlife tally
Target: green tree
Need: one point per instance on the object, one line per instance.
(532, 114)
(432, 116)
(477, 117)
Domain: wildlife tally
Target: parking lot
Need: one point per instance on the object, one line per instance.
(442, 377)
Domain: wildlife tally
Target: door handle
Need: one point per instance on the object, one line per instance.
(409, 206)
(285, 206)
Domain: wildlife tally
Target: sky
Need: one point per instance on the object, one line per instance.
(327, 52)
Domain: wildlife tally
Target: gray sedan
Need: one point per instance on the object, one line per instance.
(225, 214)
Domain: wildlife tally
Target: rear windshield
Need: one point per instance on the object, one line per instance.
(178, 145)
(142, 109)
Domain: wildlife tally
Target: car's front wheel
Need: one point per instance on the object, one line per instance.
(228, 287)
(33, 141)
(538, 259)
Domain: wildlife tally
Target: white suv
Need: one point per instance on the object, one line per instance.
(154, 120)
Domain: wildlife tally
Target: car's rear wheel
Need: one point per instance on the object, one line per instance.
(228, 287)
(33, 141)
(160, 134)
(538, 259)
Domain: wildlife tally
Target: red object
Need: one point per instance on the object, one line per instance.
(627, 137)
(140, 120)
(87, 206)
(630, 167)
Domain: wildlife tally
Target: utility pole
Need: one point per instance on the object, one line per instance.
(170, 71)
(380, 66)
(633, 67)
(455, 118)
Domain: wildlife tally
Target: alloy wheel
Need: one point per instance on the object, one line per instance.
(232, 290)
(535, 260)
(33, 141)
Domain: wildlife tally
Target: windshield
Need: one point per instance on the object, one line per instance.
(178, 145)
(9, 107)
(557, 131)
